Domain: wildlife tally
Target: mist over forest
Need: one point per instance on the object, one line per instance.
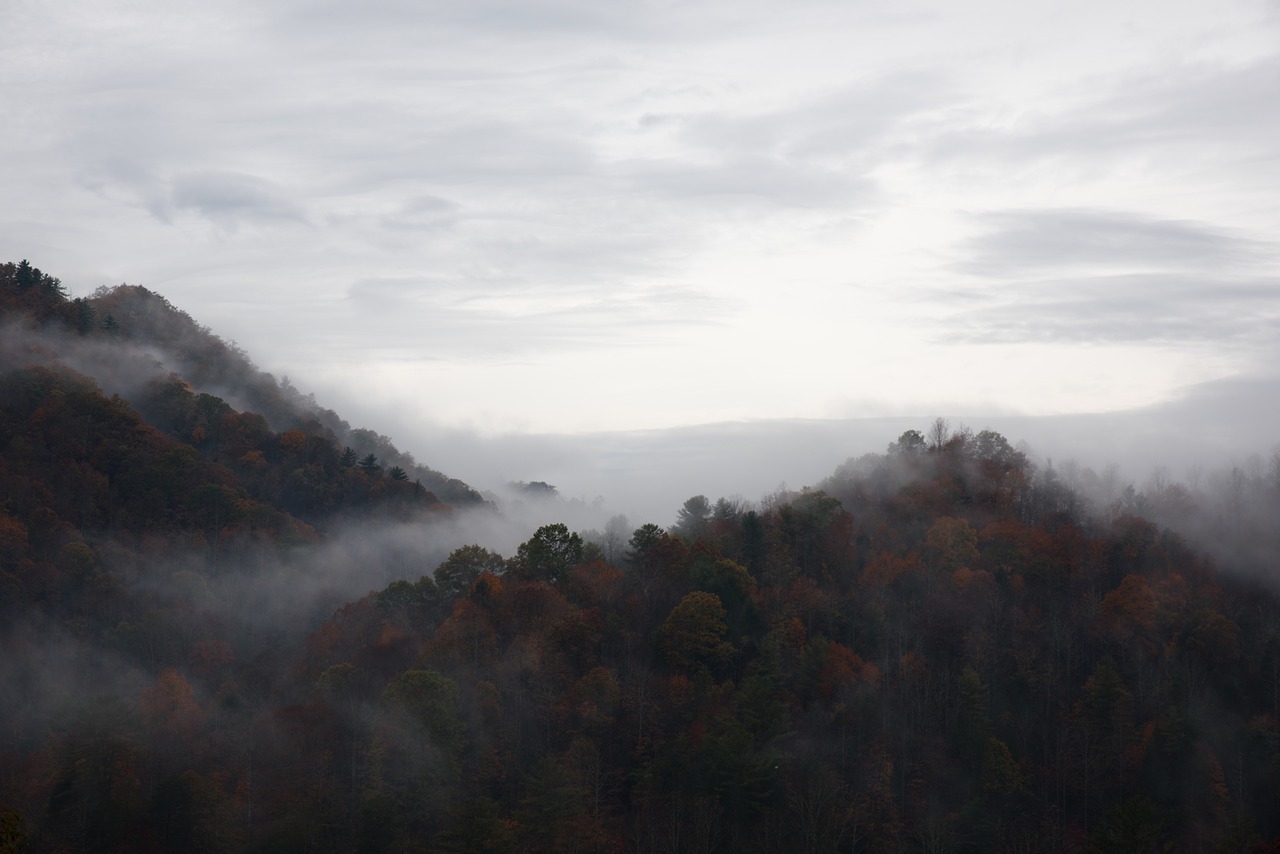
(232, 621)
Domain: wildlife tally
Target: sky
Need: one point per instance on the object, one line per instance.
(502, 218)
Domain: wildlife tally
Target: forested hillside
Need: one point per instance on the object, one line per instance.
(187, 382)
(937, 649)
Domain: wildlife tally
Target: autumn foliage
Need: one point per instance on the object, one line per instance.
(936, 650)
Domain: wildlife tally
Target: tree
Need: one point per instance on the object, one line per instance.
(369, 463)
(727, 508)
(194, 815)
(939, 432)
(693, 635)
(820, 809)
(475, 826)
(819, 532)
(463, 566)
(1000, 773)
(991, 446)
(973, 721)
(409, 597)
(539, 490)
(428, 702)
(1103, 729)
(26, 275)
(736, 588)
(431, 700)
(96, 793)
(84, 315)
(951, 543)
(549, 554)
(614, 540)
(1131, 827)
(642, 544)
(910, 442)
(691, 521)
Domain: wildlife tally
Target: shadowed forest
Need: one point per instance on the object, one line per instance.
(229, 622)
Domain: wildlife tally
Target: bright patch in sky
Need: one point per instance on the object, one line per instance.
(550, 215)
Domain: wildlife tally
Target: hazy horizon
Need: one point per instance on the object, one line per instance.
(647, 474)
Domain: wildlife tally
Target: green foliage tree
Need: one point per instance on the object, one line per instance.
(693, 635)
(910, 442)
(86, 318)
(1000, 773)
(644, 540)
(991, 446)
(455, 575)
(693, 518)
(429, 702)
(549, 554)
(951, 543)
(410, 595)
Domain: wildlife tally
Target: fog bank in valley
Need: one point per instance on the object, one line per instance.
(647, 475)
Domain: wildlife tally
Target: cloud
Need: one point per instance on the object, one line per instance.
(1079, 275)
(422, 213)
(814, 153)
(1212, 113)
(835, 121)
(1022, 242)
(229, 198)
(129, 177)
(1228, 105)
(1101, 276)
(738, 180)
(1133, 309)
(434, 319)
(392, 18)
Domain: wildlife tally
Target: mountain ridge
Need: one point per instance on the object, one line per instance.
(153, 342)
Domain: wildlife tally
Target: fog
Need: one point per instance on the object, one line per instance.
(647, 475)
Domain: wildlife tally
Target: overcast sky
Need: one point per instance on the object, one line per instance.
(576, 215)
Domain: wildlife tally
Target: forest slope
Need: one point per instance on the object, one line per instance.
(936, 650)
